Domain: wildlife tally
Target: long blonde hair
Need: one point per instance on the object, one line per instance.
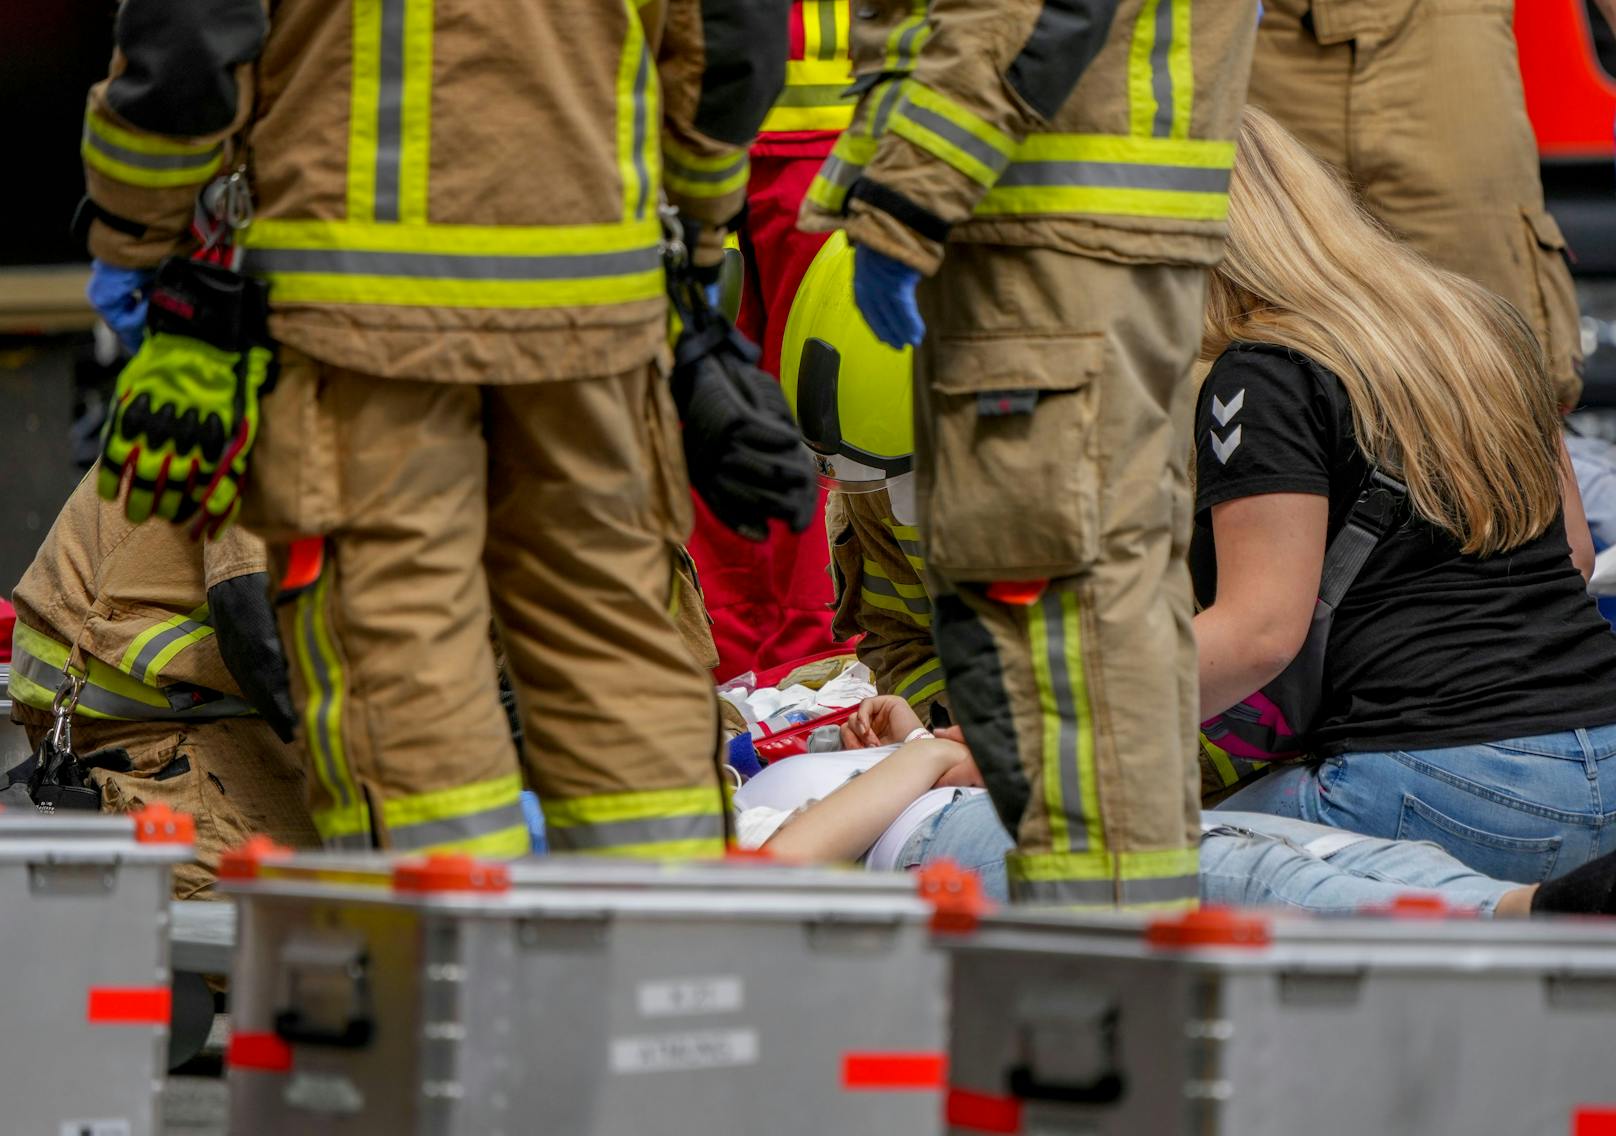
(1448, 385)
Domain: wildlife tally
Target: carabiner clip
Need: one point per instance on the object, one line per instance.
(62, 706)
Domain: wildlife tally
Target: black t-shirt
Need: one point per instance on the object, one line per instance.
(1430, 647)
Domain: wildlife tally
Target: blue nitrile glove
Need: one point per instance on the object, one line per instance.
(119, 295)
(884, 290)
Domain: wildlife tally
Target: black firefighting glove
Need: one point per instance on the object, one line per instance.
(742, 446)
(244, 625)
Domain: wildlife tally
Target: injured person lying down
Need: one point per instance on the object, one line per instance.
(900, 797)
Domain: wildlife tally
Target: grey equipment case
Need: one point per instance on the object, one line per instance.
(580, 997)
(1225, 1023)
(84, 1004)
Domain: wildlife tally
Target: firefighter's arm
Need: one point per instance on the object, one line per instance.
(987, 75)
(722, 64)
(159, 127)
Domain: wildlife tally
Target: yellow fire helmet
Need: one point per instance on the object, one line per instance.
(852, 394)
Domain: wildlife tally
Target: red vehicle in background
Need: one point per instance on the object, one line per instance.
(1568, 66)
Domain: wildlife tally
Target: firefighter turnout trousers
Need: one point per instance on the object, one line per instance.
(232, 775)
(1053, 403)
(557, 507)
(1419, 103)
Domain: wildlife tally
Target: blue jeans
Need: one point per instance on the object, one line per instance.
(1250, 859)
(1524, 809)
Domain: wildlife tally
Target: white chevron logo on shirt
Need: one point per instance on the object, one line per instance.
(1223, 411)
(1223, 447)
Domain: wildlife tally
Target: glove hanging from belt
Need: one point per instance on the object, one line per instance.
(185, 410)
(742, 447)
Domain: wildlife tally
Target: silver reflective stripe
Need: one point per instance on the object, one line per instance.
(1162, 889)
(452, 266)
(202, 163)
(812, 95)
(911, 549)
(641, 78)
(1116, 175)
(448, 830)
(1066, 741)
(884, 109)
(905, 54)
(115, 705)
(158, 643)
(840, 172)
(324, 696)
(711, 177)
(970, 143)
(1161, 75)
(390, 111)
(827, 29)
(1067, 893)
(352, 842)
(917, 604)
(929, 673)
(627, 833)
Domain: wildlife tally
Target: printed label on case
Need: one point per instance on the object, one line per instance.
(676, 1052)
(679, 996)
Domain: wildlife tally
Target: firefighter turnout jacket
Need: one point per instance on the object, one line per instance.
(522, 244)
(1103, 128)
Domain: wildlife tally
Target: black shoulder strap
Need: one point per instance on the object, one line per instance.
(1368, 520)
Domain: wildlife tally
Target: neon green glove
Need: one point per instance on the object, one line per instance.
(185, 411)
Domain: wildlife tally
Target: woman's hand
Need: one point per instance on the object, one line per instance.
(883, 720)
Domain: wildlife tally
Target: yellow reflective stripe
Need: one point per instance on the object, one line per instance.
(53, 654)
(132, 653)
(846, 163)
(154, 669)
(21, 688)
(145, 160)
(1071, 792)
(906, 39)
(131, 174)
(924, 682)
(455, 240)
(1175, 204)
(506, 844)
(365, 65)
(416, 127)
(699, 849)
(1190, 153)
(1182, 68)
(1221, 764)
(897, 605)
(649, 804)
(323, 682)
(334, 288)
(1141, 92)
(152, 144)
(1155, 863)
(447, 804)
(697, 175)
(912, 591)
(639, 158)
(791, 119)
(944, 128)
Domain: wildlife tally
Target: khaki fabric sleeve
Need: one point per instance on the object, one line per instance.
(722, 64)
(162, 124)
(236, 552)
(986, 76)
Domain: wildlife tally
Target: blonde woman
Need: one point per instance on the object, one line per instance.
(1470, 684)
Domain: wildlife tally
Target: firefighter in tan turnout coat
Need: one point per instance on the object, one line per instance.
(456, 211)
(1060, 171)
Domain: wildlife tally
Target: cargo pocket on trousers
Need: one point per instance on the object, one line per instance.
(1523, 859)
(689, 610)
(1557, 321)
(1015, 473)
